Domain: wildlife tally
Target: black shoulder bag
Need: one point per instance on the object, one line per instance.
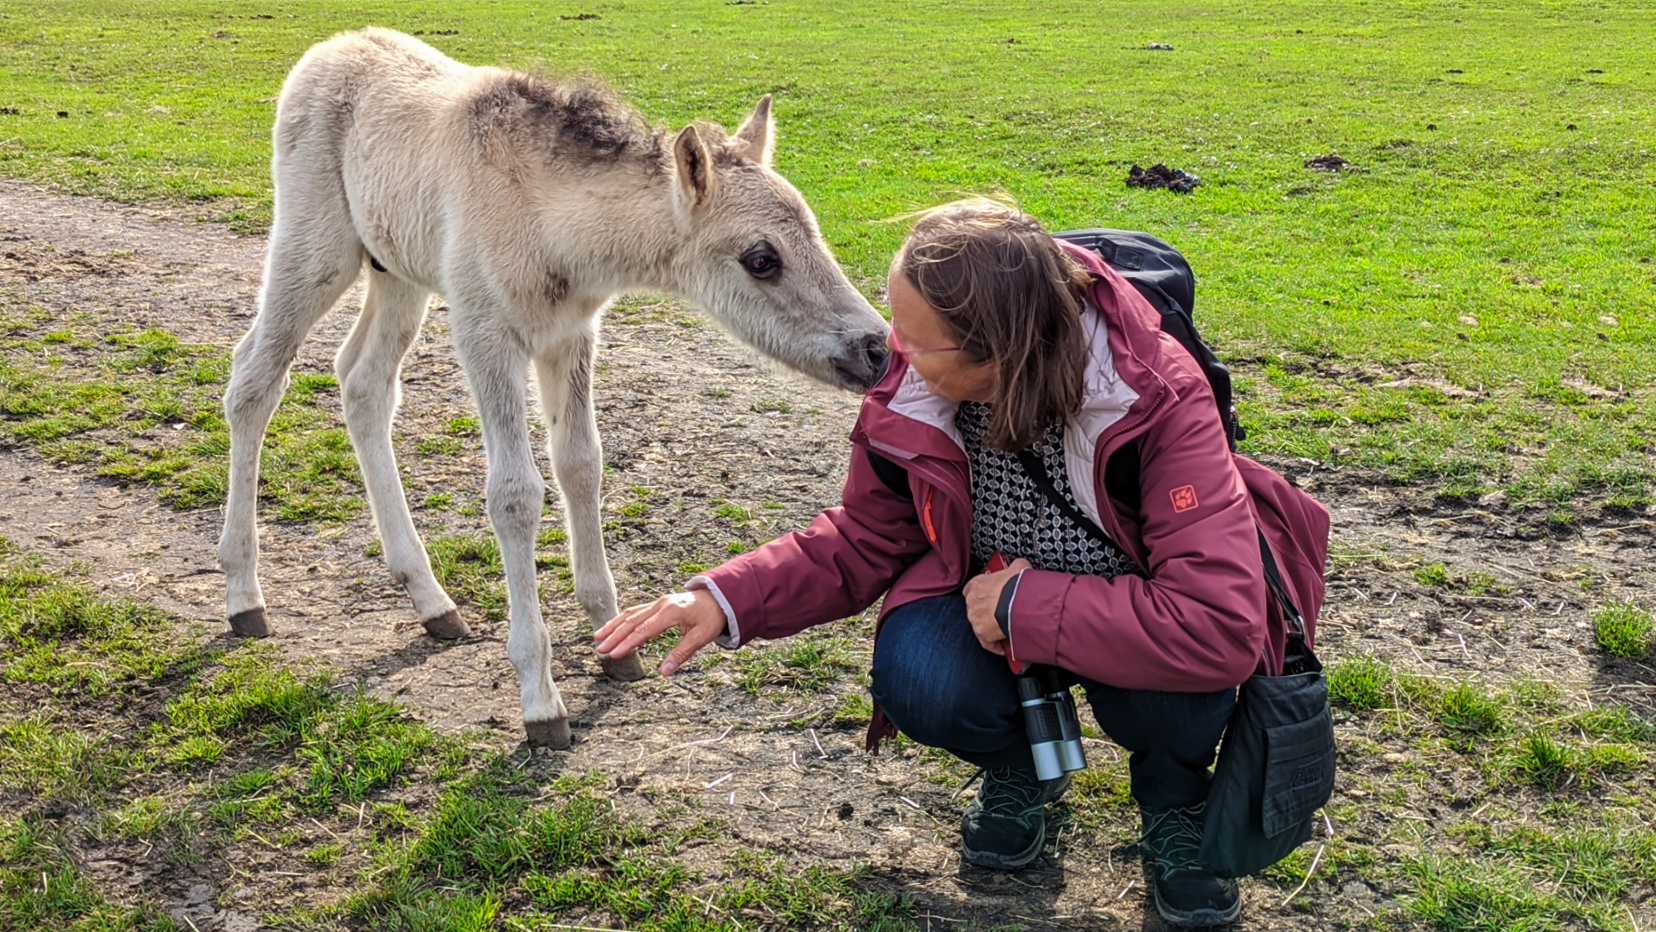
(1276, 763)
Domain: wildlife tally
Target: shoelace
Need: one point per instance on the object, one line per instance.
(1008, 793)
(1173, 837)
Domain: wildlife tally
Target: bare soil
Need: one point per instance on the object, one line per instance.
(696, 418)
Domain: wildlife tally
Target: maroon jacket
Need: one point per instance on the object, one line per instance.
(1197, 621)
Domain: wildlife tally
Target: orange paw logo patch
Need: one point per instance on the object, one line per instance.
(1184, 497)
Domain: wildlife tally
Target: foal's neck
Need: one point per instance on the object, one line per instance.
(626, 228)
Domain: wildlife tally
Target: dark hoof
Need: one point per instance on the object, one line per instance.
(447, 626)
(250, 624)
(552, 733)
(626, 669)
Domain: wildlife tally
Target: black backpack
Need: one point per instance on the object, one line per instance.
(1163, 276)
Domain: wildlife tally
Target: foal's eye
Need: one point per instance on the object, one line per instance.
(761, 261)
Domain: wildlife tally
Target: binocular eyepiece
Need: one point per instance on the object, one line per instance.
(1050, 722)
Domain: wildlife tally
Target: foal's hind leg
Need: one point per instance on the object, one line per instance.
(565, 377)
(367, 366)
(312, 258)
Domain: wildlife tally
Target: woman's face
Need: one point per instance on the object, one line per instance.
(918, 333)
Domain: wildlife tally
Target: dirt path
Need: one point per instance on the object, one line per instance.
(696, 419)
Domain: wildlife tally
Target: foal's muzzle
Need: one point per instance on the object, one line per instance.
(863, 362)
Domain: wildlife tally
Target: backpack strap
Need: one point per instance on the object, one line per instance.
(1162, 276)
(1121, 477)
(891, 475)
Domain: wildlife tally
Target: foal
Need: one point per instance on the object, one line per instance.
(528, 205)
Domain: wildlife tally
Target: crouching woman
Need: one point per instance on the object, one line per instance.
(1137, 572)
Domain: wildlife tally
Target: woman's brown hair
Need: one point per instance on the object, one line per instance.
(1010, 296)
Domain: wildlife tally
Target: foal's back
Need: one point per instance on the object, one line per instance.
(369, 86)
(437, 155)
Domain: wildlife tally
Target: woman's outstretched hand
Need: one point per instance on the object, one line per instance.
(696, 614)
(983, 594)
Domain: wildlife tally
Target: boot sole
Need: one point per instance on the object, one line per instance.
(1195, 918)
(1003, 862)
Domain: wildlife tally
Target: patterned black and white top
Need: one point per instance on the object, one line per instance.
(1011, 516)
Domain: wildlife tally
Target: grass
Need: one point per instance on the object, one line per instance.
(1624, 630)
(1362, 683)
(1519, 733)
(1543, 760)
(1467, 711)
(468, 568)
(408, 828)
(58, 635)
(1532, 857)
(1101, 799)
(1536, 879)
(244, 752)
(1469, 314)
(38, 756)
(732, 512)
(806, 663)
(42, 888)
(144, 406)
(1459, 897)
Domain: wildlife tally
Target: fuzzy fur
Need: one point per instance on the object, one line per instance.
(528, 205)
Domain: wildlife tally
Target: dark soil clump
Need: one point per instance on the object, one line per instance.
(1160, 176)
(1330, 163)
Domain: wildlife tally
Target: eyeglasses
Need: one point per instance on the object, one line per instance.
(901, 350)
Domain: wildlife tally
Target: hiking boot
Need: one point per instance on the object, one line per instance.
(1005, 825)
(1185, 894)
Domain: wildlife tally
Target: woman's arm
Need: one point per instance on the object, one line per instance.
(836, 567)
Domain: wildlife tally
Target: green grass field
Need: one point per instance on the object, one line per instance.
(1471, 311)
(250, 752)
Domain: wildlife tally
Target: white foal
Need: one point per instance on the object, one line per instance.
(528, 205)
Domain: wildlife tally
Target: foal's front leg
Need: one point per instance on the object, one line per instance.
(496, 368)
(565, 377)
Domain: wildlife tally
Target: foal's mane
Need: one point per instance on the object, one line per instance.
(581, 118)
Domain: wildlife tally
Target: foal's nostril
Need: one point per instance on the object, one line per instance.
(875, 351)
(863, 361)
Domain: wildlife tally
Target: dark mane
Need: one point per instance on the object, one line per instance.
(576, 120)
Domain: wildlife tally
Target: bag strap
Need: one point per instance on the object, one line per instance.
(1273, 576)
(1037, 471)
(1279, 589)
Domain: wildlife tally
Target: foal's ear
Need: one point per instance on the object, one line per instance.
(759, 132)
(692, 172)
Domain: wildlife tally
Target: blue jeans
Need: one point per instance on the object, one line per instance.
(941, 688)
